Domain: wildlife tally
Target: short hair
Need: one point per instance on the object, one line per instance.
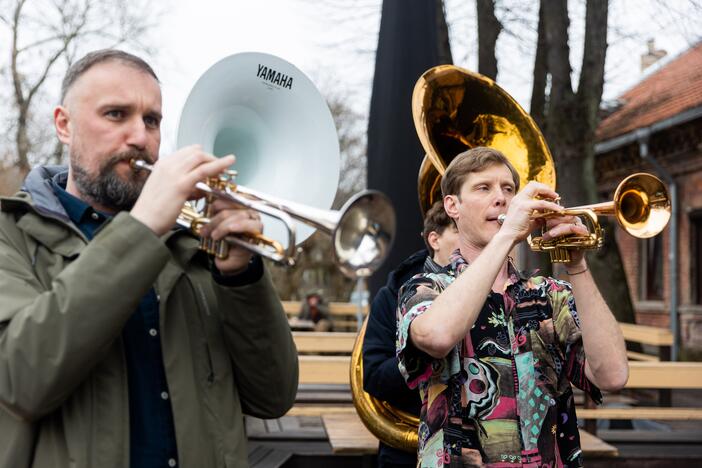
(97, 57)
(474, 160)
(436, 220)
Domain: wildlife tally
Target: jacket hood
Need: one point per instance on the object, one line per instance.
(407, 269)
(37, 191)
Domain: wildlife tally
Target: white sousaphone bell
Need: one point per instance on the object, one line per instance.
(272, 118)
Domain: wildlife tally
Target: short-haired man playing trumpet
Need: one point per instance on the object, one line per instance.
(493, 351)
(122, 344)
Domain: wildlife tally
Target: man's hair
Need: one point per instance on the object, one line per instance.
(436, 220)
(474, 160)
(97, 57)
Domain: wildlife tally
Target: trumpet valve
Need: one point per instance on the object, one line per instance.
(559, 255)
(221, 249)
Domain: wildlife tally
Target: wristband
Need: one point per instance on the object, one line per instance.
(577, 272)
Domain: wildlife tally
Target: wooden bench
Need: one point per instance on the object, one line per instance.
(348, 435)
(653, 375)
(346, 432)
(661, 338)
(324, 342)
(344, 315)
(649, 375)
(323, 384)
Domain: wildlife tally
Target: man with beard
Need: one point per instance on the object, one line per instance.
(121, 343)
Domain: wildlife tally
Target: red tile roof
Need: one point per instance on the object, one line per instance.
(669, 91)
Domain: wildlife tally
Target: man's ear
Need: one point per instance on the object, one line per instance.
(451, 206)
(433, 240)
(62, 124)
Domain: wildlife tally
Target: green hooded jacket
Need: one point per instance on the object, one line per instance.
(63, 305)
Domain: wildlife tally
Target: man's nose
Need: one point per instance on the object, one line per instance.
(137, 134)
(500, 198)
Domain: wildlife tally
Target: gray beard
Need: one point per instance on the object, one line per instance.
(107, 188)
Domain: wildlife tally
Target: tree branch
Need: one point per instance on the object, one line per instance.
(489, 29)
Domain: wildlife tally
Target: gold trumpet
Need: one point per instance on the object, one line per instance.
(641, 205)
(362, 231)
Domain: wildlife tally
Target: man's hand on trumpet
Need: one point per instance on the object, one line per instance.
(518, 222)
(231, 219)
(559, 226)
(172, 182)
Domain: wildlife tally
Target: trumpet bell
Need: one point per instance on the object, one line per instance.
(642, 205)
(363, 235)
(267, 113)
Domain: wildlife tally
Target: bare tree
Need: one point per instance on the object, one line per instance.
(352, 144)
(45, 36)
(571, 118)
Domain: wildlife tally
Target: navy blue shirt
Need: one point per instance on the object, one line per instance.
(151, 428)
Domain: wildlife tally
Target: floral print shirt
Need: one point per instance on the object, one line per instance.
(502, 397)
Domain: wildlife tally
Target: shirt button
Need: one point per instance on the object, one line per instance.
(153, 332)
(172, 462)
(164, 395)
(95, 216)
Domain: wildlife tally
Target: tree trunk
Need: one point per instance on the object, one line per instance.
(22, 140)
(11, 178)
(538, 91)
(538, 261)
(442, 42)
(488, 30)
(571, 121)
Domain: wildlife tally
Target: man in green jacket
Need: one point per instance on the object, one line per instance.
(122, 344)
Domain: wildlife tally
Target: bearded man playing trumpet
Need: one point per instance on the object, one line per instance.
(121, 343)
(493, 351)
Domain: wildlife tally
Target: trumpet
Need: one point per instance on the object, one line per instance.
(362, 230)
(641, 205)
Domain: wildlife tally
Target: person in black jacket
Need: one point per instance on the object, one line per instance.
(381, 377)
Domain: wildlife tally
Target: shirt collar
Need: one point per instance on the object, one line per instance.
(430, 266)
(459, 264)
(77, 209)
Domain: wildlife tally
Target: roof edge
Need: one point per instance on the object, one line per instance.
(634, 135)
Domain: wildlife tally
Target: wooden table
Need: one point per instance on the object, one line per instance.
(297, 324)
(348, 435)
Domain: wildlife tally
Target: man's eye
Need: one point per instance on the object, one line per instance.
(114, 114)
(152, 122)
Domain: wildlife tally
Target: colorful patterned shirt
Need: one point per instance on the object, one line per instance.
(502, 397)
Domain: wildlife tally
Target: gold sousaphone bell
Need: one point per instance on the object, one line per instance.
(455, 110)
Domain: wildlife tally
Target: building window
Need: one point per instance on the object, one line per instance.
(696, 257)
(651, 269)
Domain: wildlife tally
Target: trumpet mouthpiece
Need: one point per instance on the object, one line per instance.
(140, 164)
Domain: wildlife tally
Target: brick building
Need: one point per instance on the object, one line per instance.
(657, 128)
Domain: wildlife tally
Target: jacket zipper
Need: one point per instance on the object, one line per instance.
(200, 298)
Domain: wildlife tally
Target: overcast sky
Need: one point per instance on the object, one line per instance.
(334, 41)
(334, 45)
